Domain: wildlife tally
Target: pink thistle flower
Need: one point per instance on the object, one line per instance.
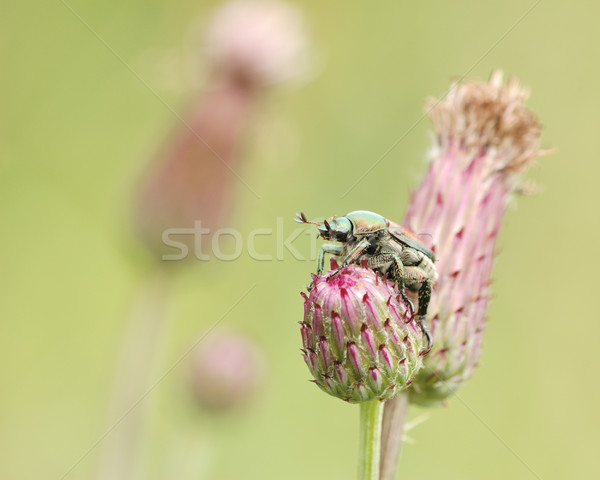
(359, 340)
(485, 138)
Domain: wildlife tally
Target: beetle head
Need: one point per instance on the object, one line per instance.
(337, 229)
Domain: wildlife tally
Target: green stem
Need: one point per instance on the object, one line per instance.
(370, 440)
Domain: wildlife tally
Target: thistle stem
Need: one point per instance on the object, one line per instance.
(370, 440)
(394, 418)
(142, 344)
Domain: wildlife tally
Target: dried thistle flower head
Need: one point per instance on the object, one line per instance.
(359, 340)
(485, 138)
(225, 371)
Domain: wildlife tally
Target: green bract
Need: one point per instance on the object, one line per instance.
(359, 340)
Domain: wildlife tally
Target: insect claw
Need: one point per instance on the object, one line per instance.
(421, 321)
(409, 303)
(412, 309)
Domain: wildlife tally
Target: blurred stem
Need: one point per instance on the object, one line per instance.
(370, 440)
(394, 418)
(140, 346)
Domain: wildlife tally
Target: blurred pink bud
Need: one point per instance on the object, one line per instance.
(226, 370)
(260, 42)
(194, 177)
(196, 173)
(485, 138)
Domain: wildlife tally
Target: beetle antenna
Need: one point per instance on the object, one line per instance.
(301, 218)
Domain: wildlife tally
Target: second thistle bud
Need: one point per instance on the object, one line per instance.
(360, 342)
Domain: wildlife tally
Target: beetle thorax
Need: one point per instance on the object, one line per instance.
(366, 223)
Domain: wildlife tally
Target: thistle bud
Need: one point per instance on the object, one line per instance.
(360, 342)
(225, 371)
(485, 138)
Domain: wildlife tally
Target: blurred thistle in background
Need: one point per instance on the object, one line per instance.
(225, 371)
(252, 47)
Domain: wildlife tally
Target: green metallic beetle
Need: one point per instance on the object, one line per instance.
(387, 248)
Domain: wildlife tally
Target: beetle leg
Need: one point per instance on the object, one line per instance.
(424, 297)
(415, 280)
(417, 277)
(355, 253)
(327, 248)
(422, 319)
(402, 284)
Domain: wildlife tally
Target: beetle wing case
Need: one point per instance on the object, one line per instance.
(405, 236)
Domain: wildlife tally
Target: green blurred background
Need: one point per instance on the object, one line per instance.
(77, 129)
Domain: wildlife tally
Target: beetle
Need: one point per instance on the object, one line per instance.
(387, 248)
